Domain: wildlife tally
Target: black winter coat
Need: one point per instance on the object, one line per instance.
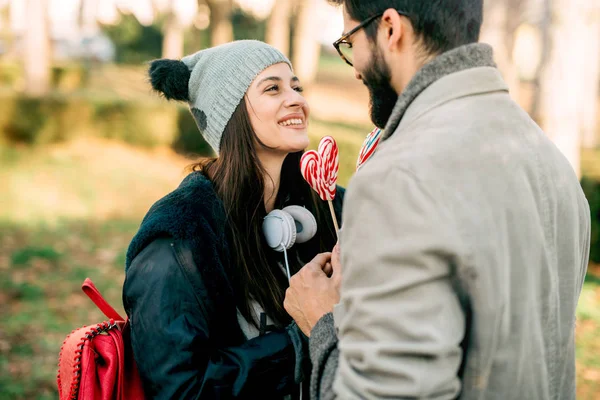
(185, 336)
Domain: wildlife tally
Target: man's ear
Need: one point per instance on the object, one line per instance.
(393, 26)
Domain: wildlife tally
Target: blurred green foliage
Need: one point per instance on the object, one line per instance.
(245, 26)
(134, 43)
(591, 188)
(59, 117)
(65, 77)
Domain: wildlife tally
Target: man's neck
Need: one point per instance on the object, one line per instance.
(406, 71)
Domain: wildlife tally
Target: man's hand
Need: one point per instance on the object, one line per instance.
(312, 293)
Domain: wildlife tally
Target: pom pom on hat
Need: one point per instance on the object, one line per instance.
(170, 78)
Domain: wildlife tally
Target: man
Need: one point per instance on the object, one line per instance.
(466, 236)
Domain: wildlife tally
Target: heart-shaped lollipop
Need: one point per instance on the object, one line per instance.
(368, 147)
(320, 169)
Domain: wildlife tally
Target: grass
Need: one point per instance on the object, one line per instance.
(42, 270)
(587, 337)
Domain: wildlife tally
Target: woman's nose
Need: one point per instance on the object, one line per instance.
(295, 99)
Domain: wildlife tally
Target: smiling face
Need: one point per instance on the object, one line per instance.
(278, 111)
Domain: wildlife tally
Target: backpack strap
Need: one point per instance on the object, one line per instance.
(89, 288)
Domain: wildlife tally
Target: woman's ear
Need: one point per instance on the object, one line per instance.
(170, 78)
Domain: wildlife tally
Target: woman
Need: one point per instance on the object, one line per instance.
(203, 290)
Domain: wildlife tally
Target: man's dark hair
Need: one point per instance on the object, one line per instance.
(440, 25)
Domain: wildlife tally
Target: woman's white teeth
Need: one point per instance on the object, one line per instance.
(289, 122)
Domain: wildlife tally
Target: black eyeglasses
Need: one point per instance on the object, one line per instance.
(344, 47)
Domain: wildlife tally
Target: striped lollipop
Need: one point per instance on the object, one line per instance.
(320, 169)
(368, 147)
(330, 164)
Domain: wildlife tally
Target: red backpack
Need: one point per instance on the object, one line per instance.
(96, 362)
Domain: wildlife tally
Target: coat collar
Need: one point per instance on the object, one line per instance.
(466, 70)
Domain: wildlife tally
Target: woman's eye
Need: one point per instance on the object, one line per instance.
(275, 88)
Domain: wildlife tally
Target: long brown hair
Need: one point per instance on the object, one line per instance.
(238, 179)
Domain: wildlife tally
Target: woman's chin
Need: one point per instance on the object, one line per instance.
(302, 145)
(297, 144)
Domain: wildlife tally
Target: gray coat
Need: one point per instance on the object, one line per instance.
(464, 248)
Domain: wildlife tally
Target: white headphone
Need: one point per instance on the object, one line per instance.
(283, 228)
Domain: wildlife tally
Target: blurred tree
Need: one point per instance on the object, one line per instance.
(37, 49)
(173, 34)
(5, 31)
(221, 29)
(81, 15)
(501, 20)
(306, 49)
(247, 25)
(563, 78)
(134, 42)
(591, 80)
(278, 26)
(542, 19)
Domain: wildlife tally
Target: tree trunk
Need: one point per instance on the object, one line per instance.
(86, 17)
(542, 8)
(221, 29)
(501, 20)
(172, 45)
(81, 16)
(5, 20)
(591, 79)
(37, 52)
(278, 26)
(561, 82)
(306, 48)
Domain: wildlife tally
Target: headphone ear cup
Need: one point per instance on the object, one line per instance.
(305, 223)
(279, 230)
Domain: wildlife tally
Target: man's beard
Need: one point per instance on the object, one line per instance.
(383, 97)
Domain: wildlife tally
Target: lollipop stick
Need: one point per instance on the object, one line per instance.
(335, 224)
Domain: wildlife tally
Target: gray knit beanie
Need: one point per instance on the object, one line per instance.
(214, 81)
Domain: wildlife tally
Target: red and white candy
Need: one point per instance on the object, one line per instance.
(330, 164)
(320, 168)
(368, 147)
